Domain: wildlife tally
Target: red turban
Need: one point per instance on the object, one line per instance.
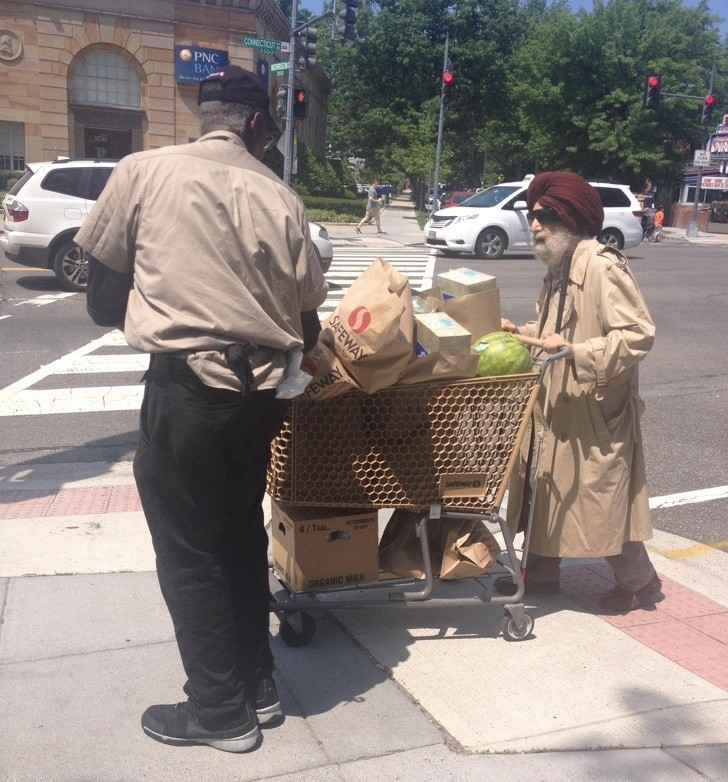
(574, 200)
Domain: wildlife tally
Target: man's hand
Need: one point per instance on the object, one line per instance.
(555, 342)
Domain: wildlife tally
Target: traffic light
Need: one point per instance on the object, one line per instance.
(347, 20)
(708, 106)
(309, 38)
(448, 82)
(300, 103)
(282, 106)
(653, 83)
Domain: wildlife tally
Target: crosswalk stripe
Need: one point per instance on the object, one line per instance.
(21, 398)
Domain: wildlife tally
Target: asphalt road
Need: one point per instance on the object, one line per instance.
(684, 380)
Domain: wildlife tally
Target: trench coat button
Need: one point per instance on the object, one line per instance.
(563, 438)
(566, 397)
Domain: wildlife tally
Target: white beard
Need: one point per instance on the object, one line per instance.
(551, 250)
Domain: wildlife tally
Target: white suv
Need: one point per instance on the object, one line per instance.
(45, 209)
(494, 220)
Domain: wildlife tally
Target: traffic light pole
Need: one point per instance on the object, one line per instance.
(440, 125)
(288, 134)
(288, 143)
(692, 229)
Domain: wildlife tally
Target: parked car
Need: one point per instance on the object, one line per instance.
(494, 220)
(46, 207)
(43, 211)
(455, 197)
(324, 248)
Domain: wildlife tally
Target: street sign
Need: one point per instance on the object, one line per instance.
(265, 45)
(701, 157)
(279, 67)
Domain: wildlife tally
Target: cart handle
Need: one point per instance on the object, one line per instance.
(547, 362)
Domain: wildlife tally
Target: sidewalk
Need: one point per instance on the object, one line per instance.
(420, 694)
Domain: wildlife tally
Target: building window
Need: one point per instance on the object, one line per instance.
(105, 79)
(12, 146)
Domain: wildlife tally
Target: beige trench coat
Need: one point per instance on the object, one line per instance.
(591, 494)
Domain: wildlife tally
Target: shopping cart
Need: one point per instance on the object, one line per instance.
(397, 448)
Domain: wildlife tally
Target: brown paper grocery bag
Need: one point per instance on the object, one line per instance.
(330, 376)
(400, 550)
(468, 549)
(439, 366)
(373, 327)
(458, 548)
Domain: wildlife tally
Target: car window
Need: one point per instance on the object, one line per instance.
(15, 189)
(613, 196)
(64, 180)
(490, 197)
(99, 178)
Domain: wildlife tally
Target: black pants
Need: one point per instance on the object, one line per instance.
(200, 470)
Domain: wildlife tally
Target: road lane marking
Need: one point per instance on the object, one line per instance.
(45, 298)
(689, 497)
(696, 550)
(73, 400)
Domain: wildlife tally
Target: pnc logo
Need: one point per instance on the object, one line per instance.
(359, 319)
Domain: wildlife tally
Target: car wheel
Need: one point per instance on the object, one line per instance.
(491, 243)
(70, 267)
(611, 237)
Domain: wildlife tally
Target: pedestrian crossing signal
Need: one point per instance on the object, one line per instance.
(300, 103)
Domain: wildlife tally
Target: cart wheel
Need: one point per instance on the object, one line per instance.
(511, 629)
(292, 637)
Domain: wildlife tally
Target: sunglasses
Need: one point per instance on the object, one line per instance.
(544, 216)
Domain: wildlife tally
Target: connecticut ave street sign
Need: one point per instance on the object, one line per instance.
(266, 46)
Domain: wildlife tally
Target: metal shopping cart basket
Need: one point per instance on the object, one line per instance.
(400, 448)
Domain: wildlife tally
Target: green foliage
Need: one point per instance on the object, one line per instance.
(8, 179)
(315, 175)
(537, 87)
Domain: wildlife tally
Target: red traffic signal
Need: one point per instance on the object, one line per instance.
(448, 82)
(708, 106)
(653, 84)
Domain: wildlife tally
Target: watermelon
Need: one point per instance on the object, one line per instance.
(500, 353)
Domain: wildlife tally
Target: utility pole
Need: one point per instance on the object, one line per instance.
(440, 124)
(692, 229)
(288, 142)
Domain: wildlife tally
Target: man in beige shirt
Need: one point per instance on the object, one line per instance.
(205, 257)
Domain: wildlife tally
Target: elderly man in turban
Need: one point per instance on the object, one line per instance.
(590, 497)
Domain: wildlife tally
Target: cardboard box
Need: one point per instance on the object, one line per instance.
(463, 282)
(479, 313)
(438, 332)
(324, 548)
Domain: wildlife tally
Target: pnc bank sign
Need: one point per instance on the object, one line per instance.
(193, 63)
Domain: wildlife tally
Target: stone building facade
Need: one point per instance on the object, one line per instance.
(95, 78)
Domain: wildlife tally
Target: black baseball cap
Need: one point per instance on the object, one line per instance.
(233, 84)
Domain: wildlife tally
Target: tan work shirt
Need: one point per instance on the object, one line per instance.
(220, 252)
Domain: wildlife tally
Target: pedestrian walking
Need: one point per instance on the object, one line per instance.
(590, 495)
(205, 257)
(372, 210)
